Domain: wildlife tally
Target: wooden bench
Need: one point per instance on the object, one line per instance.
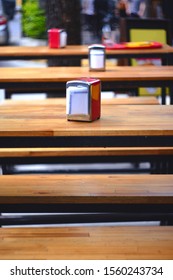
(84, 152)
(159, 159)
(87, 243)
(101, 198)
(53, 79)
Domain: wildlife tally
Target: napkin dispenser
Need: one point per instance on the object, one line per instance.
(57, 38)
(97, 57)
(83, 100)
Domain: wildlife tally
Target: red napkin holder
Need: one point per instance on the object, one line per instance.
(57, 38)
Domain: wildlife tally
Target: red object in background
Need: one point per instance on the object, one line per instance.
(57, 38)
(129, 46)
(3, 20)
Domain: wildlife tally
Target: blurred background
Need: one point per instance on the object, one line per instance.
(26, 21)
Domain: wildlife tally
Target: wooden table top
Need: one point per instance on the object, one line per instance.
(73, 50)
(50, 120)
(87, 243)
(64, 74)
(132, 100)
(80, 188)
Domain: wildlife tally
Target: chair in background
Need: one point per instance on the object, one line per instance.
(136, 29)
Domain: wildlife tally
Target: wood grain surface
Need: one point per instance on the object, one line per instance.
(87, 243)
(50, 120)
(75, 50)
(128, 189)
(64, 74)
(84, 151)
(132, 100)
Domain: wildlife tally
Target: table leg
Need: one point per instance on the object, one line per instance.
(163, 95)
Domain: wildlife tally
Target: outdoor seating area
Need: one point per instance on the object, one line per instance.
(106, 190)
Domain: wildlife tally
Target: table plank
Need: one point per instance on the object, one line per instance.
(95, 189)
(126, 120)
(27, 52)
(63, 74)
(132, 100)
(87, 243)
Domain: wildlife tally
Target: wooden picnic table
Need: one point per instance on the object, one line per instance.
(55, 78)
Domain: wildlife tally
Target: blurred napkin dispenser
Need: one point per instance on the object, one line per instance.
(83, 100)
(57, 38)
(97, 57)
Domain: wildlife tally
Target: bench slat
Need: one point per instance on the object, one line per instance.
(85, 243)
(80, 152)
